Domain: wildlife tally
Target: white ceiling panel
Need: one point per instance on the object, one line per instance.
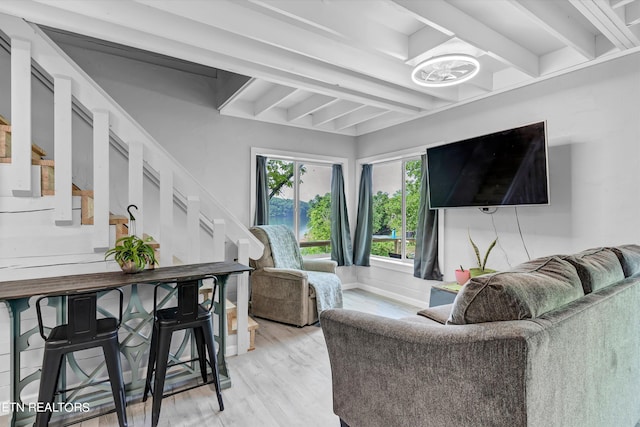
(344, 66)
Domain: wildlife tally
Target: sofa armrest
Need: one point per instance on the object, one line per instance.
(393, 372)
(324, 265)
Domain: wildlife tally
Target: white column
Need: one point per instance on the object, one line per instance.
(242, 303)
(62, 147)
(219, 236)
(100, 180)
(193, 229)
(21, 117)
(136, 184)
(166, 214)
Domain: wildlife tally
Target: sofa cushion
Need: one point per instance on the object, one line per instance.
(629, 257)
(439, 313)
(597, 268)
(528, 291)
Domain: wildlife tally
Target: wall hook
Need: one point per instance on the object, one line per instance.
(131, 217)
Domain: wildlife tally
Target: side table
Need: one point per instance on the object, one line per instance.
(443, 294)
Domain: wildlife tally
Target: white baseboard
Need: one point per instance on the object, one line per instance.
(353, 285)
(391, 295)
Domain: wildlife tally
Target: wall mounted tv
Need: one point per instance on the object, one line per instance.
(506, 168)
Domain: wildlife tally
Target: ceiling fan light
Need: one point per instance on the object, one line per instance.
(445, 70)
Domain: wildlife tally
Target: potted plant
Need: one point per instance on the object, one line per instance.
(133, 254)
(482, 263)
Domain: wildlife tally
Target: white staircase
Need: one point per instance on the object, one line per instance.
(47, 234)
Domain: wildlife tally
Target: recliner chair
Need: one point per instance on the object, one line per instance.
(285, 294)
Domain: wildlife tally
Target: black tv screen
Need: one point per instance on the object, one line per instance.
(505, 168)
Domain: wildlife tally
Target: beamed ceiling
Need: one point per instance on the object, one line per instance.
(344, 66)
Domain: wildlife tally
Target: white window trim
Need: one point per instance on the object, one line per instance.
(303, 157)
(378, 261)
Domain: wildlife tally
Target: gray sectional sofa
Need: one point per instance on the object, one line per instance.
(552, 342)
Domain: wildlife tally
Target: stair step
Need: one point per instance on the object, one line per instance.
(117, 219)
(5, 141)
(37, 152)
(232, 324)
(151, 242)
(47, 177)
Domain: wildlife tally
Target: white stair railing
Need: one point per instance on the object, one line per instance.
(62, 147)
(31, 42)
(100, 180)
(112, 126)
(21, 117)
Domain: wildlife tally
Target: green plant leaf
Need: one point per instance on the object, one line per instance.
(475, 249)
(486, 256)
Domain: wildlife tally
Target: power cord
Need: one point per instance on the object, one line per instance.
(495, 230)
(520, 231)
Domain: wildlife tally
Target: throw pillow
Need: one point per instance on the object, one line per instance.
(629, 256)
(526, 292)
(597, 268)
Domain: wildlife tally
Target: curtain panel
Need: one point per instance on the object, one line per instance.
(425, 264)
(341, 248)
(262, 192)
(364, 225)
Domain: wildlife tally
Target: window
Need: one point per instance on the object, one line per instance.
(396, 197)
(300, 198)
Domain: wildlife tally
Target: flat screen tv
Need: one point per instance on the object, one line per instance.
(506, 168)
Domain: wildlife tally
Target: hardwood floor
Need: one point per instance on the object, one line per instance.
(285, 382)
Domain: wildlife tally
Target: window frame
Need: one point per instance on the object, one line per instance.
(301, 158)
(403, 264)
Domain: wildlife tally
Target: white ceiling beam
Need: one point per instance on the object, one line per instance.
(632, 14)
(620, 3)
(273, 97)
(277, 115)
(334, 111)
(422, 42)
(141, 27)
(484, 78)
(607, 20)
(547, 15)
(450, 20)
(308, 106)
(245, 22)
(335, 19)
(358, 116)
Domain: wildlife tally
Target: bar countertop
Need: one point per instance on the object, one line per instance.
(114, 279)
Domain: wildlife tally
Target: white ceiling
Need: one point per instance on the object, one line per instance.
(344, 66)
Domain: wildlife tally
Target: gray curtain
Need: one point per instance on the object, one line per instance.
(425, 264)
(364, 226)
(340, 235)
(262, 192)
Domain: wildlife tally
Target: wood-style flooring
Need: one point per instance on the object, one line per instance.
(284, 382)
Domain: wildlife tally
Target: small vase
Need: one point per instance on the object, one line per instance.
(462, 276)
(130, 267)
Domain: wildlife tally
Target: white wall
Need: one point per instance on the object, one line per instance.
(178, 110)
(593, 119)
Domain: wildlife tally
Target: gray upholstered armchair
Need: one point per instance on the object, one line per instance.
(286, 288)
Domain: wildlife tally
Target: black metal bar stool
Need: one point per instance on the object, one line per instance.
(188, 314)
(82, 331)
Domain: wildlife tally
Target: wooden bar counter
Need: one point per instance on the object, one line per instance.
(135, 332)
